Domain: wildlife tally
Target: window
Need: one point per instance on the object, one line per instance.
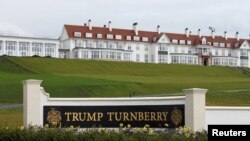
(95, 54)
(137, 57)
(1, 45)
(189, 42)
(77, 34)
(99, 36)
(223, 53)
(174, 41)
(109, 36)
(84, 54)
(79, 43)
(183, 42)
(128, 38)
(243, 53)
(120, 46)
(146, 47)
(89, 35)
(112, 55)
(216, 52)
(23, 46)
(136, 38)
(243, 63)
(163, 47)
(118, 55)
(209, 43)
(99, 44)
(228, 45)
(137, 47)
(222, 44)
(127, 56)
(129, 47)
(10, 48)
(49, 49)
(236, 44)
(89, 44)
(176, 50)
(118, 37)
(184, 59)
(203, 41)
(146, 58)
(216, 44)
(110, 45)
(145, 39)
(163, 58)
(190, 51)
(104, 55)
(37, 48)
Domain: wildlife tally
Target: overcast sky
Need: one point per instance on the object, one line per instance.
(47, 17)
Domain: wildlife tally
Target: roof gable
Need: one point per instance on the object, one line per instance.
(245, 45)
(163, 39)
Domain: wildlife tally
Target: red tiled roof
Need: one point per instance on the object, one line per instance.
(195, 40)
(104, 31)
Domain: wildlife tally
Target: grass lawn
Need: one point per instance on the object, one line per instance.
(11, 118)
(88, 78)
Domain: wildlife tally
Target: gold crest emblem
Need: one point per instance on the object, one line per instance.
(54, 118)
(176, 116)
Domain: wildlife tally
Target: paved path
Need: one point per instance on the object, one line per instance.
(11, 106)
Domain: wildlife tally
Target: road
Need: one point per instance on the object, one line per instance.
(11, 106)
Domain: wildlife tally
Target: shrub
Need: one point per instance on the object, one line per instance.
(99, 134)
(35, 56)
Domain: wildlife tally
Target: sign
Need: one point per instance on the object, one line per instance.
(156, 116)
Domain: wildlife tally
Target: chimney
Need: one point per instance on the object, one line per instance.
(237, 36)
(85, 24)
(135, 28)
(199, 33)
(89, 24)
(110, 27)
(104, 25)
(212, 33)
(158, 29)
(225, 35)
(186, 32)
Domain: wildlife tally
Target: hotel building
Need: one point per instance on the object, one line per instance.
(108, 43)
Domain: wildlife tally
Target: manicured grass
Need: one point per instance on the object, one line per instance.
(88, 78)
(11, 118)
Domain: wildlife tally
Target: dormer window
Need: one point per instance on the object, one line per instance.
(136, 38)
(204, 41)
(109, 36)
(222, 44)
(228, 45)
(77, 34)
(189, 42)
(118, 37)
(216, 44)
(174, 41)
(128, 38)
(183, 42)
(89, 35)
(99, 36)
(236, 44)
(145, 39)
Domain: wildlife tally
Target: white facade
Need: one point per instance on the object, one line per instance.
(28, 46)
(105, 43)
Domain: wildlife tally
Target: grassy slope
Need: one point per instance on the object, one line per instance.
(77, 78)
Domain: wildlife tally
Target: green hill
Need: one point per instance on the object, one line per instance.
(88, 78)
